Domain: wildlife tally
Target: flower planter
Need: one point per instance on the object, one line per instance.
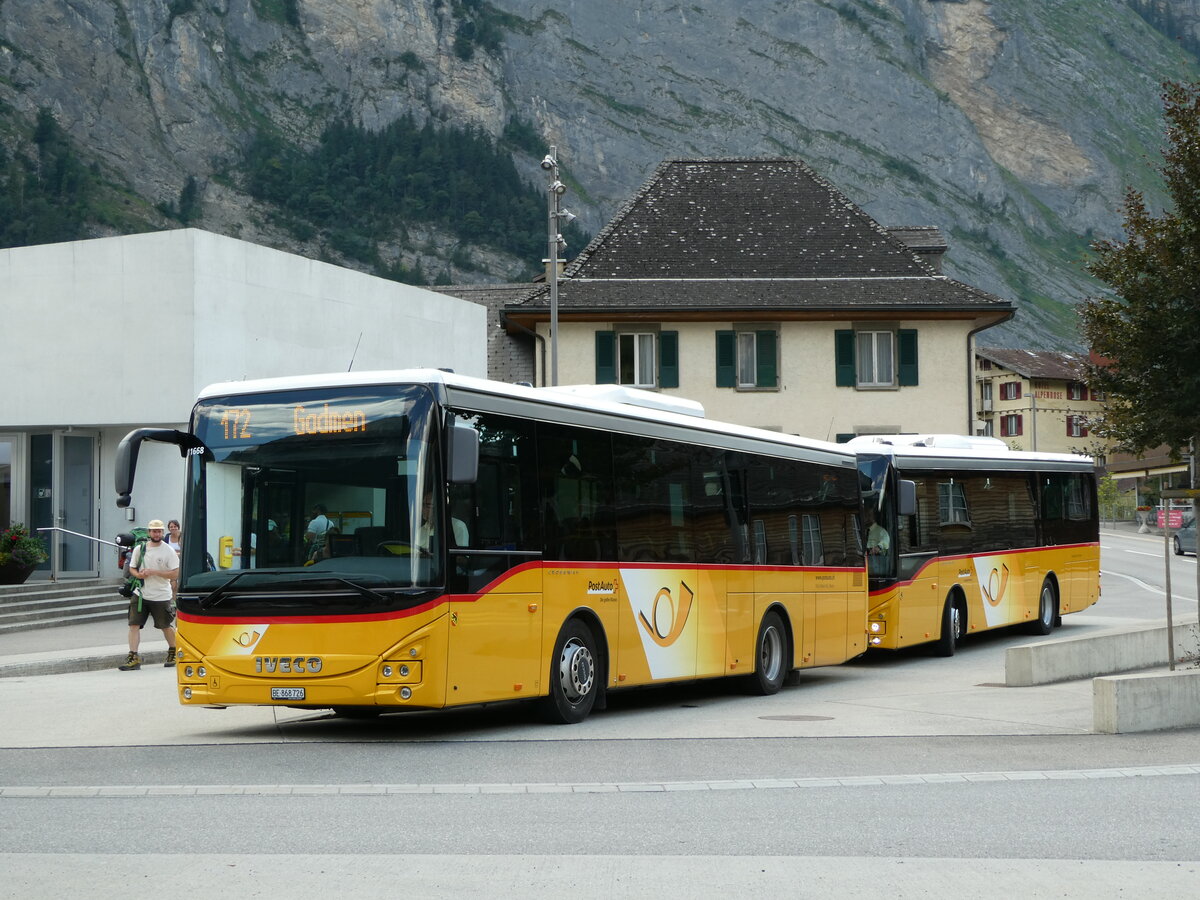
(11, 573)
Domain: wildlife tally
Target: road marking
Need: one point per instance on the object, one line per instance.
(747, 784)
(1146, 587)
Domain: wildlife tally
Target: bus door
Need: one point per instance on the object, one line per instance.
(494, 573)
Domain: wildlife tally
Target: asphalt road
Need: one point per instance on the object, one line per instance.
(900, 774)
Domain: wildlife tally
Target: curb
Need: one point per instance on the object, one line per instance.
(16, 667)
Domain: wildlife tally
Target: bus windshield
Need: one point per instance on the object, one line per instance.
(322, 499)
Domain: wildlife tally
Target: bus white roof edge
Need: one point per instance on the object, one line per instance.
(617, 393)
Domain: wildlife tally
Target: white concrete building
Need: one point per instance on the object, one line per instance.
(102, 336)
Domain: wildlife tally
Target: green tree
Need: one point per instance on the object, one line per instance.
(1148, 331)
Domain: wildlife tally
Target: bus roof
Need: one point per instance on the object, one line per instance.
(946, 451)
(599, 399)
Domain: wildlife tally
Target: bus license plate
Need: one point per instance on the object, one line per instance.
(288, 693)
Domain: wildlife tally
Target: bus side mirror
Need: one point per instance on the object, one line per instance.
(127, 454)
(462, 453)
(908, 498)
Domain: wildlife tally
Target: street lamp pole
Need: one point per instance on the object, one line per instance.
(554, 191)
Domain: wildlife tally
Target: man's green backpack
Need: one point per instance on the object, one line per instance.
(129, 541)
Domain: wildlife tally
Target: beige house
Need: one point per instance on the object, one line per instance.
(757, 288)
(1035, 399)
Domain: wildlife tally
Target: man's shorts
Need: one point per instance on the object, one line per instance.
(159, 611)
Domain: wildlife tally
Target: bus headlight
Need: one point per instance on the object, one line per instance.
(387, 671)
(188, 672)
(877, 627)
(405, 693)
(187, 693)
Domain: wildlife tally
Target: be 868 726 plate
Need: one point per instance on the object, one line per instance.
(287, 693)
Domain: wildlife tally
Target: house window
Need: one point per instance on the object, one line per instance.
(1077, 426)
(1010, 390)
(1011, 425)
(952, 503)
(875, 358)
(638, 358)
(989, 429)
(635, 360)
(985, 396)
(748, 359)
(1076, 391)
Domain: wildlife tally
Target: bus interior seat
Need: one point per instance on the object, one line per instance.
(369, 538)
(343, 545)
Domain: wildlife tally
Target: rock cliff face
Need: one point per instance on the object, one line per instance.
(1013, 126)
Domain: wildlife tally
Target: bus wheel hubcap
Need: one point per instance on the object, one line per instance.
(576, 670)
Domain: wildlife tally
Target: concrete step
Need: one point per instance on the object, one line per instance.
(44, 605)
(73, 618)
(46, 599)
(36, 611)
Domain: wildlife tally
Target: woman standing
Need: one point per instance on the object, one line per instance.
(174, 535)
(174, 539)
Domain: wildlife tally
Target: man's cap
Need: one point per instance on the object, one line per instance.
(155, 523)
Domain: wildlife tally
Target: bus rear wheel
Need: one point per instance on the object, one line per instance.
(573, 676)
(1047, 610)
(954, 626)
(770, 656)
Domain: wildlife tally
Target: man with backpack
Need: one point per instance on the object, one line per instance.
(157, 566)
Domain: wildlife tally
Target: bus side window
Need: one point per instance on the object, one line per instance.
(576, 469)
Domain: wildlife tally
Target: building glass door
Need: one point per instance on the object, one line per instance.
(8, 453)
(63, 481)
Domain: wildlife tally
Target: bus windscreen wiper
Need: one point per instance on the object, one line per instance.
(217, 594)
(360, 589)
(220, 592)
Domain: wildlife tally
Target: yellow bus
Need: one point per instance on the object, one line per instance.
(976, 537)
(373, 542)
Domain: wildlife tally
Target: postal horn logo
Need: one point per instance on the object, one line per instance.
(668, 617)
(997, 584)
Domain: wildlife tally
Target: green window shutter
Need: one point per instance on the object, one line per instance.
(766, 374)
(668, 359)
(907, 357)
(843, 350)
(606, 357)
(726, 359)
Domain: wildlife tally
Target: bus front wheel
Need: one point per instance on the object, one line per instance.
(770, 656)
(573, 676)
(954, 624)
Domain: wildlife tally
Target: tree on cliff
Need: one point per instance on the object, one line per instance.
(1147, 334)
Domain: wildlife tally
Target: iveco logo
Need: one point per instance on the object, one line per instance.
(301, 664)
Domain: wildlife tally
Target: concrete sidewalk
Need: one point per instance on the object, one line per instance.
(75, 648)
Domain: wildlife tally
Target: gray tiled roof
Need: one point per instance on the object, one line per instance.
(1054, 364)
(919, 237)
(752, 234)
(774, 295)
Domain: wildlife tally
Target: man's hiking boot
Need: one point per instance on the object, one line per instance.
(170, 658)
(132, 661)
